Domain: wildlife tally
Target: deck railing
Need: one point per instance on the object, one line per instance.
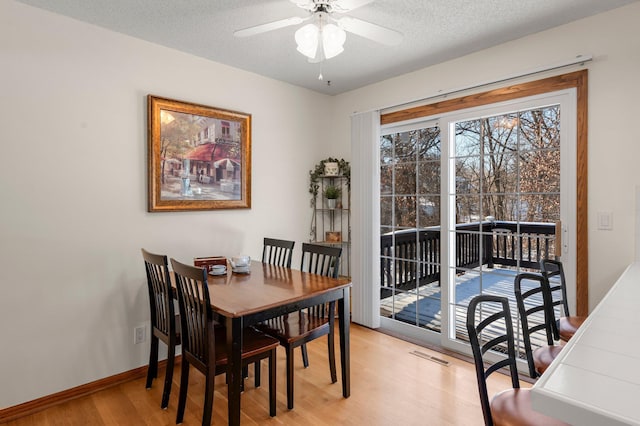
(411, 258)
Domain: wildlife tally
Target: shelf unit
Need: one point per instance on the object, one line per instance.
(332, 226)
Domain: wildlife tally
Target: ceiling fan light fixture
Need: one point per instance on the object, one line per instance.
(307, 38)
(333, 38)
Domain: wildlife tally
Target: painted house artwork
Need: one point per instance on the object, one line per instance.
(201, 157)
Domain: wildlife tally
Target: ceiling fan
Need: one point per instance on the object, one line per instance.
(324, 37)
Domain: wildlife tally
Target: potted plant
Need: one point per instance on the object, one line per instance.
(332, 193)
(316, 175)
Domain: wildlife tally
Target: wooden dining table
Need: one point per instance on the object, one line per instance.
(266, 292)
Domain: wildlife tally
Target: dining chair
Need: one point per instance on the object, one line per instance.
(165, 324)
(564, 327)
(277, 252)
(205, 343)
(533, 299)
(490, 327)
(298, 328)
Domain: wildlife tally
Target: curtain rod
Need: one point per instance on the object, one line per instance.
(579, 59)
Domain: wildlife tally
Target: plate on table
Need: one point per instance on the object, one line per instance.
(218, 272)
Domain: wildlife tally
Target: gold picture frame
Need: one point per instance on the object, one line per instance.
(199, 157)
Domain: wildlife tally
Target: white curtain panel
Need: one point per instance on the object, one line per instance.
(365, 219)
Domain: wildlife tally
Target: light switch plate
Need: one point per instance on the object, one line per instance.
(605, 221)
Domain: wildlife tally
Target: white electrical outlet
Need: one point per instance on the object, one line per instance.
(139, 334)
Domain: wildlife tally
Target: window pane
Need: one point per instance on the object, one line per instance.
(386, 149)
(386, 180)
(467, 208)
(467, 138)
(405, 211)
(386, 211)
(500, 173)
(405, 178)
(540, 171)
(468, 175)
(429, 177)
(540, 207)
(428, 143)
(405, 147)
(540, 128)
(500, 134)
(502, 207)
(428, 211)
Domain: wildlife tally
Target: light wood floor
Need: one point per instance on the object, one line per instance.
(389, 386)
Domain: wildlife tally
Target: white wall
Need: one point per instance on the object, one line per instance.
(613, 39)
(73, 190)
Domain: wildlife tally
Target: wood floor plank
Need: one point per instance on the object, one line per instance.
(389, 385)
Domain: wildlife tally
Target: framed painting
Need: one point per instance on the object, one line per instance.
(199, 157)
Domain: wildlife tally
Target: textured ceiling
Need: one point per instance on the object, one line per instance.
(434, 31)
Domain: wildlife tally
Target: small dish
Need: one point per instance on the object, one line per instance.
(218, 272)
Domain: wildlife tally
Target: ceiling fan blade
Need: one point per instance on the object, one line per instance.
(305, 4)
(343, 6)
(269, 26)
(371, 31)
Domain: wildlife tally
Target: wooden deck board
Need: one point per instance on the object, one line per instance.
(421, 307)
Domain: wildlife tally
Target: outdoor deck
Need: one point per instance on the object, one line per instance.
(410, 270)
(422, 307)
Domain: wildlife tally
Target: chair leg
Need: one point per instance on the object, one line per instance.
(152, 370)
(555, 328)
(168, 376)
(332, 356)
(208, 399)
(245, 374)
(272, 382)
(305, 355)
(289, 377)
(330, 342)
(256, 373)
(184, 384)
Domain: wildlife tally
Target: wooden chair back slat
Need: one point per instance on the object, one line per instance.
(277, 252)
(321, 260)
(196, 313)
(161, 302)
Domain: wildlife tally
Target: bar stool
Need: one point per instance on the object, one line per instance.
(494, 330)
(564, 327)
(533, 305)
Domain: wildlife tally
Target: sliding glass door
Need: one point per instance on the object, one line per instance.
(467, 202)
(410, 206)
